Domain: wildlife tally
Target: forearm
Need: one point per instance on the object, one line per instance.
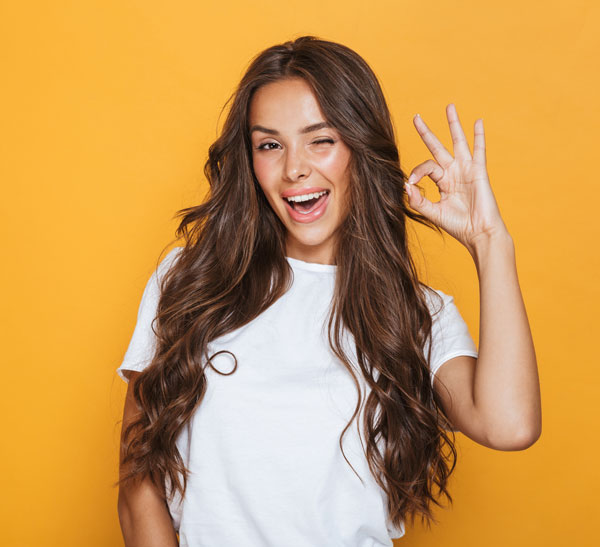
(506, 388)
(145, 519)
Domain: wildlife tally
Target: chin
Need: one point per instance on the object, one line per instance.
(308, 236)
(314, 242)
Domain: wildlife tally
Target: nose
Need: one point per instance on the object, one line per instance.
(296, 165)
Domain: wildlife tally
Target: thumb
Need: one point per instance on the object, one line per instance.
(420, 203)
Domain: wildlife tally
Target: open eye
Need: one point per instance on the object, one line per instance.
(266, 146)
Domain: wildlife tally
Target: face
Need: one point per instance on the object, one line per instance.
(302, 166)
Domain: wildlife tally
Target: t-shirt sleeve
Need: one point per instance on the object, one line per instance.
(450, 335)
(142, 345)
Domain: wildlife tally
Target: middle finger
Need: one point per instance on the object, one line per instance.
(461, 146)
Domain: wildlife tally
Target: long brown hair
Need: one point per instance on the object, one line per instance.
(229, 272)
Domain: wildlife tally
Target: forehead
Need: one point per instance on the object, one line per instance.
(286, 103)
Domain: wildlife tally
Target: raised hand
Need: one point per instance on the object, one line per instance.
(467, 209)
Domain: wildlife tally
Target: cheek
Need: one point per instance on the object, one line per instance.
(262, 169)
(336, 166)
(264, 172)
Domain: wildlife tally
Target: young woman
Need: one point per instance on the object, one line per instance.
(291, 381)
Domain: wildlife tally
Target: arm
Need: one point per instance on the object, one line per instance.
(495, 399)
(143, 514)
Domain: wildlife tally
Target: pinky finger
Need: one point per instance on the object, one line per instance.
(479, 143)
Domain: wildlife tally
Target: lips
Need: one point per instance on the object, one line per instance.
(301, 191)
(316, 212)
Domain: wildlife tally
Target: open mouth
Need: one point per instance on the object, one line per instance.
(308, 203)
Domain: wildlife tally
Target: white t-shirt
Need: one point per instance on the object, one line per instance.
(263, 446)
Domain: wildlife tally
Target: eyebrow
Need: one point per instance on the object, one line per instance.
(307, 129)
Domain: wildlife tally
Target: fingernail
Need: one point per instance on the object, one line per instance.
(412, 179)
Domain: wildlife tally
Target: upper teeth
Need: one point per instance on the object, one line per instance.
(306, 197)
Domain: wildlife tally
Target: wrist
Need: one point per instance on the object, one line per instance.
(497, 241)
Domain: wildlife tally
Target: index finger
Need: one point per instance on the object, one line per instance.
(441, 155)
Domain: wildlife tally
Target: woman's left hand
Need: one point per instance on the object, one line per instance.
(467, 209)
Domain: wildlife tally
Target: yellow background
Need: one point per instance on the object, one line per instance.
(107, 110)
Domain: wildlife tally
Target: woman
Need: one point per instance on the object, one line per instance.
(291, 390)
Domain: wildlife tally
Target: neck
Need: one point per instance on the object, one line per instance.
(317, 254)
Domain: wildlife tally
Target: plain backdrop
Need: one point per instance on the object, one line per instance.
(107, 110)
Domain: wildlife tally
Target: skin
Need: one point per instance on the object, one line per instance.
(292, 159)
(494, 399)
(144, 516)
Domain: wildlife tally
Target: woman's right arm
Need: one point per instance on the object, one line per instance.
(143, 514)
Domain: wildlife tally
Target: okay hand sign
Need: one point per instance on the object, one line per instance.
(467, 209)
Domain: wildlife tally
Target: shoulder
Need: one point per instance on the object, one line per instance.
(167, 262)
(436, 300)
(169, 259)
(156, 279)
